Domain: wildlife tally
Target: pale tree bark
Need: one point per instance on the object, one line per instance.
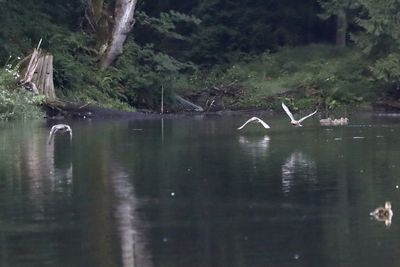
(38, 75)
(123, 23)
(111, 21)
(341, 28)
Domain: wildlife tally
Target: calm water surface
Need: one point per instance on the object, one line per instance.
(194, 191)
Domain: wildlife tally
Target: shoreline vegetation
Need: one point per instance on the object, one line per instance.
(201, 55)
(307, 77)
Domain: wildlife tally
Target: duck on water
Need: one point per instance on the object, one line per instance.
(383, 214)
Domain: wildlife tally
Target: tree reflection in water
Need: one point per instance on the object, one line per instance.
(132, 239)
(46, 174)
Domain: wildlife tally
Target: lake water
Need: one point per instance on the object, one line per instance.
(194, 191)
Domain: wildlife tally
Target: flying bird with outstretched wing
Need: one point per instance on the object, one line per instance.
(257, 120)
(294, 122)
(59, 128)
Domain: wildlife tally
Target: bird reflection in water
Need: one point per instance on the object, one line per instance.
(255, 145)
(297, 163)
(383, 214)
(48, 177)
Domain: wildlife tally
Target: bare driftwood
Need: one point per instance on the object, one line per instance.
(188, 105)
(64, 108)
(33, 63)
(162, 99)
(213, 98)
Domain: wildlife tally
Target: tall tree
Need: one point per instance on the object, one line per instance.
(342, 10)
(381, 39)
(111, 21)
(231, 27)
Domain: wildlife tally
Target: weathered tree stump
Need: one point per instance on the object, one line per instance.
(38, 75)
(43, 76)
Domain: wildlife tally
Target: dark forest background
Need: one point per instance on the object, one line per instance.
(326, 53)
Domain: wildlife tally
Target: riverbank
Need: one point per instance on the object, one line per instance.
(305, 78)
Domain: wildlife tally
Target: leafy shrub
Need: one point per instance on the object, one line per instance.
(16, 103)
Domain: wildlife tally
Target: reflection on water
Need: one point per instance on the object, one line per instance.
(130, 227)
(195, 192)
(255, 145)
(297, 164)
(46, 175)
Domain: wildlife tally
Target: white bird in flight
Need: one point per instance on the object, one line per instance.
(255, 119)
(61, 128)
(294, 122)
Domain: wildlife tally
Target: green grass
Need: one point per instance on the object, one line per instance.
(328, 76)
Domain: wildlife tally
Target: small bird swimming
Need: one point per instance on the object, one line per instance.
(326, 122)
(255, 119)
(383, 214)
(296, 123)
(59, 128)
(334, 122)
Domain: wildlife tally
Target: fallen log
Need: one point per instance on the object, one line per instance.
(61, 108)
(188, 105)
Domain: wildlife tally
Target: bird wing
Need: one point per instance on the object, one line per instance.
(266, 126)
(59, 127)
(309, 115)
(53, 130)
(249, 120)
(288, 111)
(69, 130)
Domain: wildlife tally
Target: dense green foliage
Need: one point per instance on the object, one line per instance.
(380, 39)
(320, 75)
(14, 102)
(193, 44)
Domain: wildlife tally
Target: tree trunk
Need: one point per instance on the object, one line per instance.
(123, 23)
(99, 16)
(341, 28)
